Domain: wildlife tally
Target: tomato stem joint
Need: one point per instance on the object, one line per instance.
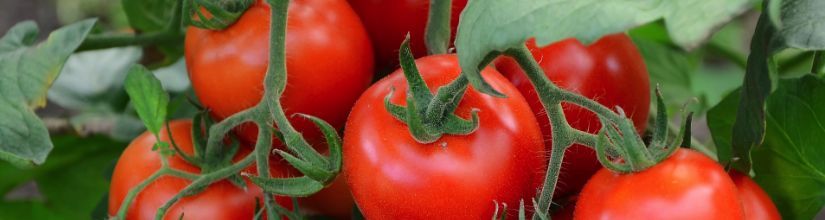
(429, 116)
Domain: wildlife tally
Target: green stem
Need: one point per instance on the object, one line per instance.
(438, 26)
(548, 95)
(204, 180)
(133, 192)
(818, 66)
(262, 152)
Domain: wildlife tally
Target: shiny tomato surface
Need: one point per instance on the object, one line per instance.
(757, 204)
(388, 21)
(610, 71)
(457, 177)
(329, 63)
(687, 185)
(221, 200)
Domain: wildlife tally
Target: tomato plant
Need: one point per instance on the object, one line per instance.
(451, 138)
(330, 63)
(610, 71)
(388, 21)
(222, 200)
(386, 167)
(687, 185)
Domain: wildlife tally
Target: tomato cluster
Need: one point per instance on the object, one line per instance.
(330, 48)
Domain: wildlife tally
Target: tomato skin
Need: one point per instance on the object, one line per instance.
(687, 185)
(389, 21)
(610, 71)
(329, 62)
(757, 204)
(221, 200)
(457, 177)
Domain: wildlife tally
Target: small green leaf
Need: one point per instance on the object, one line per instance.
(148, 97)
(488, 26)
(789, 165)
(26, 73)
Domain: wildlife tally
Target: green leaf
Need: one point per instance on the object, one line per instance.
(152, 16)
(148, 15)
(148, 97)
(720, 121)
(789, 165)
(802, 28)
(488, 26)
(26, 73)
(803, 24)
(70, 184)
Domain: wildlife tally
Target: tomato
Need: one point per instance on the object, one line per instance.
(457, 177)
(329, 63)
(686, 185)
(389, 21)
(221, 200)
(610, 71)
(757, 203)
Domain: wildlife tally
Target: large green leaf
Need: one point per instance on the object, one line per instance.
(803, 27)
(69, 185)
(26, 72)
(488, 26)
(790, 165)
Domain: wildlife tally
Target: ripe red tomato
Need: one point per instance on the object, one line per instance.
(457, 177)
(329, 62)
(221, 200)
(687, 185)
(757, 203)
(610, 71)
(389, 21)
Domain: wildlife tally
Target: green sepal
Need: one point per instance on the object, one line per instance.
(313, 171)
(685, 133)
(398, 112)
(459, 126)
(333, 141)
(417, 87)
(416, 125)
(660, 124)
(428, 116)
(601, 148)
(295, 186)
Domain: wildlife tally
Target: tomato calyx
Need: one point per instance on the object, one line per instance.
(619, 139)
(214, 15)
(429, 116)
